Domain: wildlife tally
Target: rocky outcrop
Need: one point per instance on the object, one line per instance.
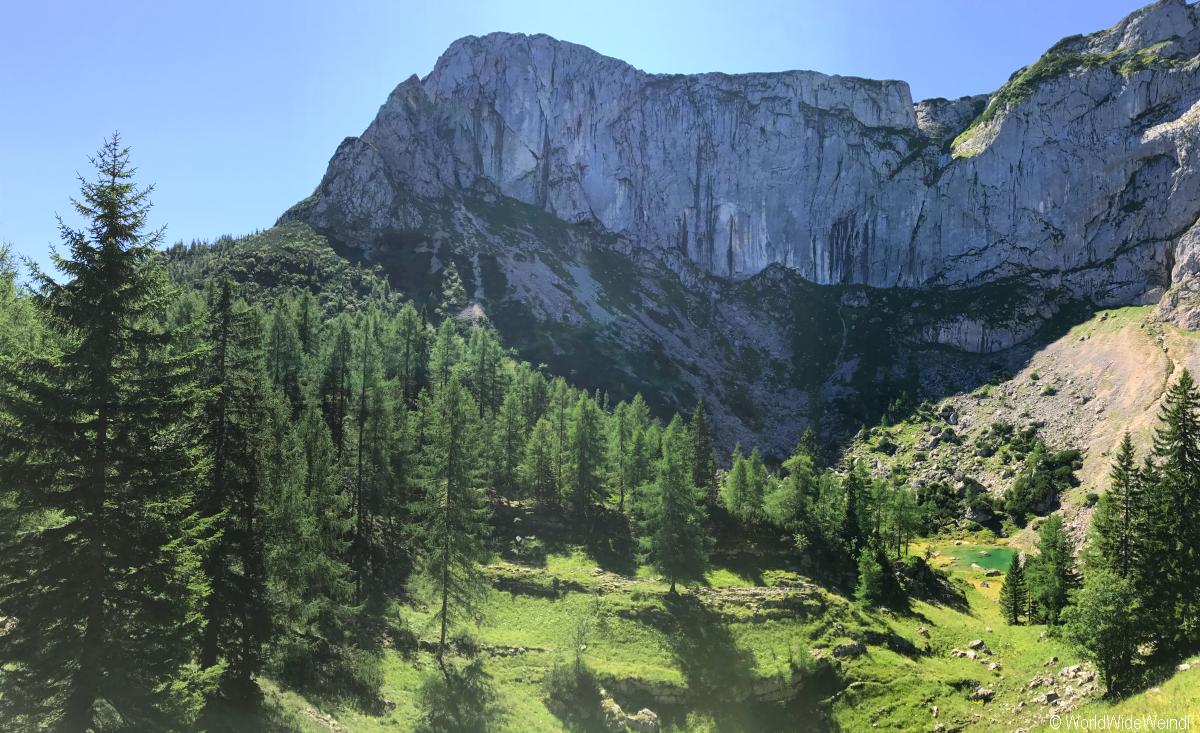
(788, 246)
(1081, 167)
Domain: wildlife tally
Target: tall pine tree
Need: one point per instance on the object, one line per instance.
(234, 418)
(453, 512)
(676, 533)
(704, 456)
(1175, 514)
(1118, 525)
(1014, 598)
(97, 447)
(585, 479)
(1051, 576)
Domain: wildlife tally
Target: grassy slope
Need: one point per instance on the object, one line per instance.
(685, 646)
(1177, 697)
(1102, 377)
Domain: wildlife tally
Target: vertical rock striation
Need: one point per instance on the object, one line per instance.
(1070, 172)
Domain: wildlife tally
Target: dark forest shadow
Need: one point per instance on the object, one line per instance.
(712, 663)
(459, 700)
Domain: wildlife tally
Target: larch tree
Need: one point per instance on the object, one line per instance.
(405, 357)
(337, 384)
(538, 465)
(585, 472)
(1106, 622)
(454, 295)
(284, 355)
(453, 512)
(704, 456)
(675, 531)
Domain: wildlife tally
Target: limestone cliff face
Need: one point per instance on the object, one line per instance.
(793, 247)
(1079, 171)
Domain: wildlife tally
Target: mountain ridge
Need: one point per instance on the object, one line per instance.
(605, 215)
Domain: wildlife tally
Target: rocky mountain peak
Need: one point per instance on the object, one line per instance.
(842, 180)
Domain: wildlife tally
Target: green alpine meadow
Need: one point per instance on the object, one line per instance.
(577, 397)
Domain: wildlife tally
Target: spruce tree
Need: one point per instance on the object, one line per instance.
(1175, 507)
(1051, 575)
(453, 512)
(675, 526)
(1118, 530)
(96, 446)
(1013, 595)
(234, 421)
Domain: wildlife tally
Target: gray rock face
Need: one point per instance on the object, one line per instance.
(1086, 177)
(655, 233)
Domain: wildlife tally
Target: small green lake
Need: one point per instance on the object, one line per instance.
(988, 557)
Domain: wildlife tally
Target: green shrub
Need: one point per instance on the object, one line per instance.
(1046, 474)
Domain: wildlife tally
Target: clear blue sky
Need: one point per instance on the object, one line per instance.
(233, 108)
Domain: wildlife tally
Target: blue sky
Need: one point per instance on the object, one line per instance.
(233, 108)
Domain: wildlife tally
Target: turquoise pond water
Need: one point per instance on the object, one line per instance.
(988, 557)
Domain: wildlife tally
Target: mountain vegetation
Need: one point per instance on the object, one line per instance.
(224, 483)
(519, 456)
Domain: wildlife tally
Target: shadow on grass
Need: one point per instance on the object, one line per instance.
(459, 700)
(261, 715)
(724, 691)
(712, 663)
(611, 545)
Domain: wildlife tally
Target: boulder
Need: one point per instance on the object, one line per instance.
(982, 694)
(612, 716)
(646, 721)
(853, 649)
(980, 646)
